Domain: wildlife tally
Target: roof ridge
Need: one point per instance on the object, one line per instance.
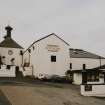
(44, 38)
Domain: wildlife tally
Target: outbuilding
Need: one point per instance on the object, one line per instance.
(10, 55)
(95, 86)
(83, 60)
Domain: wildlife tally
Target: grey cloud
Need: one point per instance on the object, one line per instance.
(80, 22)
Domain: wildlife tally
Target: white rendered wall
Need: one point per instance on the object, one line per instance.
(16, 55)
(101, 81)
(7, 72)
(77, 79)
(77, 63)
(97, 90)
(41, 57)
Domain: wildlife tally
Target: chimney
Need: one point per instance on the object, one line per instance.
(8, 29)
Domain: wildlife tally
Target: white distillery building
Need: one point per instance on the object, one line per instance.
(47, 56)
(82, 60)
(10, 55)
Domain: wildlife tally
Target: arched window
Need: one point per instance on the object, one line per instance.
(12, 61)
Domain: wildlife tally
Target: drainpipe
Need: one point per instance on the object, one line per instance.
(29, 50)
(100, 61)
(21, 54)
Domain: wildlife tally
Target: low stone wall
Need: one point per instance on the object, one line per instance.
(93, 90)
(4, 72)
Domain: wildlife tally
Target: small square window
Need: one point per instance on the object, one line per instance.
(53, 58)
(88, 87)
(8, 67)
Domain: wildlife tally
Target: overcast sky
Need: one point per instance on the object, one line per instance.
(79, 22)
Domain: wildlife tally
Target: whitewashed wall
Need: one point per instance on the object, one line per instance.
(41, 57)
(16, 55)
(77, 79)
(77, 63)
(4, 72)
(97, 90)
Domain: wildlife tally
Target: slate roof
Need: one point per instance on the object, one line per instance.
(79, 53)
(10, 43)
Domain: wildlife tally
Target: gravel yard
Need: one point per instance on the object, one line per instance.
(3, 99)
(47, 94)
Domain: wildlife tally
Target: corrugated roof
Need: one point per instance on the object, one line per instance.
(79, 53)
(10, 43)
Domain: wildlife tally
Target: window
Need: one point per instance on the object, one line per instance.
(29, 50)
(8, 67)
(70, 65)
(33, 47)
(93, 76)
(12, 61)
(3, 60)
(88, 87)
(26, 64)
(84, 66)
(10, 52)
(21, 52)
(53, 58)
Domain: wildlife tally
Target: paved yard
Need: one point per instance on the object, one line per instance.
(3, 99)
(47, 94)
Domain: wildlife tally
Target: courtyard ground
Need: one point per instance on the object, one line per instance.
(46, 94)
(3, 99)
